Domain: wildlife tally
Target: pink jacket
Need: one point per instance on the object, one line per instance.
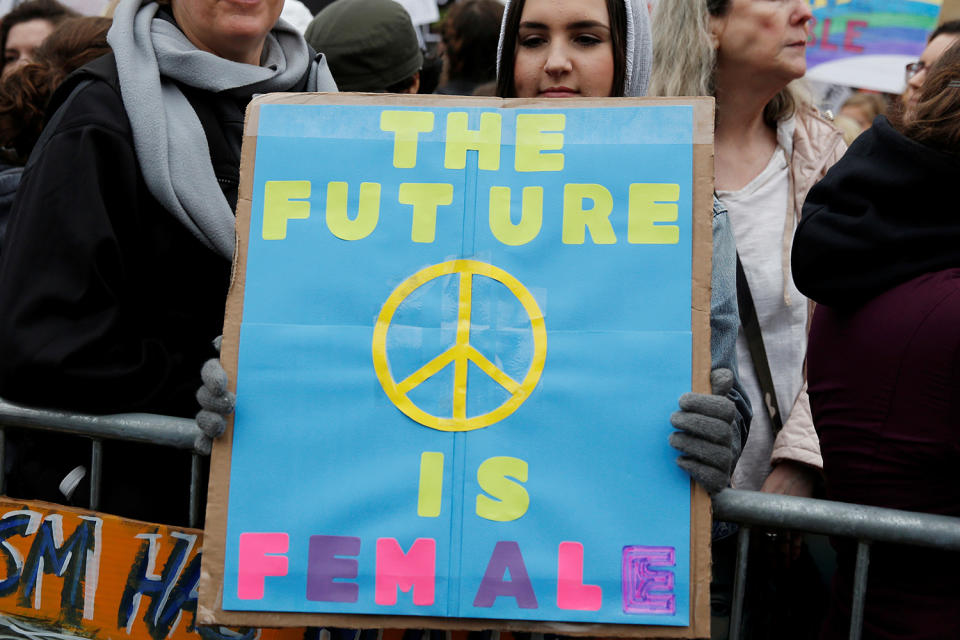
(817, 145)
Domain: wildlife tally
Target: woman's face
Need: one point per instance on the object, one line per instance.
(936, 48)
(564, 50)
(231, 29)
(22, 39)
(763, 39)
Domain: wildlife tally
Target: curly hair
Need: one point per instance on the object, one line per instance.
(25, 92)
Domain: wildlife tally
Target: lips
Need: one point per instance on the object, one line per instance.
(558, 92)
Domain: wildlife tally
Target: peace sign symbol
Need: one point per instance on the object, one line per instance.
(461, 353)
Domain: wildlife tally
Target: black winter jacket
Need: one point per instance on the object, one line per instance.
(884, 214)
(107, 303)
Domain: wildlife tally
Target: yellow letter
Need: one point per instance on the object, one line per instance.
(529, 226)
(512, 500)
(576, 219)
(646, 208)
(284, 200)
(407, 126)
(431, 484)
(486, 141)
(531, 140)
(425, 199)
(368, 212)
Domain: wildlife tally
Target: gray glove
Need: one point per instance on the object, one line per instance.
(214, 398)
(706, 430)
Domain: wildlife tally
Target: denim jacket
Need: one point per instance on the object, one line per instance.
(725, 316)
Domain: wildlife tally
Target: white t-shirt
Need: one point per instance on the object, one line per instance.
(758, 213)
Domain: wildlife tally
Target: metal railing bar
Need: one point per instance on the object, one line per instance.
(837, 519)
(194, 490)
(859, 589)
(96, 472)
(739, 583)
(180, 433)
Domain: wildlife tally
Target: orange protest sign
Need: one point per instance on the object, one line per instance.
(100, 576)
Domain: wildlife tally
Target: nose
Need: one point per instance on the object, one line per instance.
(558, 60)
(917, 79)
(802, 14)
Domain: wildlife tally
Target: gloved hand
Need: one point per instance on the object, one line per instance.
(214, 398)
(706, 430)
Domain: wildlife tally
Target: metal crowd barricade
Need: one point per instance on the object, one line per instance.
(180, 433)
(862, 523)
(749, 509)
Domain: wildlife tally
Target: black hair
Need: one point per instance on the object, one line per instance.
(717, 7)
(616, 12)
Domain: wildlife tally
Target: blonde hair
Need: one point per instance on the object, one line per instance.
(873, 105)
(683, 51)
(685, 58)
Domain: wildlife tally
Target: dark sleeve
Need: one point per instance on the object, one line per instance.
(74, 331)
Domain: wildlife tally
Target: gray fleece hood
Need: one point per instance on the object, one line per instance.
(639, 46)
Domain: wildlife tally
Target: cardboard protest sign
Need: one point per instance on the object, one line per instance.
(71, 572)
(458, 328)
(867, 43)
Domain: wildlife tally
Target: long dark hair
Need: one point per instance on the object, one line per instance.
(617, 13)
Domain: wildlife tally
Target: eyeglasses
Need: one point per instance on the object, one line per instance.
(914, 68)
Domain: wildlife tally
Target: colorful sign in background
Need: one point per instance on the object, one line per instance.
(71, 573)
(866, 43)
(463, 332)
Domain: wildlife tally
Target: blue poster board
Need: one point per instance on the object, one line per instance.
(463, 331)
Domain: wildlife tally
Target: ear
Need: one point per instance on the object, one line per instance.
(717, 25)
(415, 87)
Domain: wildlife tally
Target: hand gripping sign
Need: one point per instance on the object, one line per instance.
(458, 328)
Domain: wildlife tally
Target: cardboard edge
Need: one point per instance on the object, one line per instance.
(218, 488)
(209, 609)
(700, 504)
(349, 621)
(703, 107)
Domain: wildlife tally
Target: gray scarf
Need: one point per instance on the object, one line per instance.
(169, 140)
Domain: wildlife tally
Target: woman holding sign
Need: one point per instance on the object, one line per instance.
(117, 260)
(602, 48)
(770, 146)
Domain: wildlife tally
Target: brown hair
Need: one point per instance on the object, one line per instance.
(617, 13)
(470, 33)
(25, 92)
(49, 10)
(936, 121)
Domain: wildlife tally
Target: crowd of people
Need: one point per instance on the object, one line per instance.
(834, 282)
